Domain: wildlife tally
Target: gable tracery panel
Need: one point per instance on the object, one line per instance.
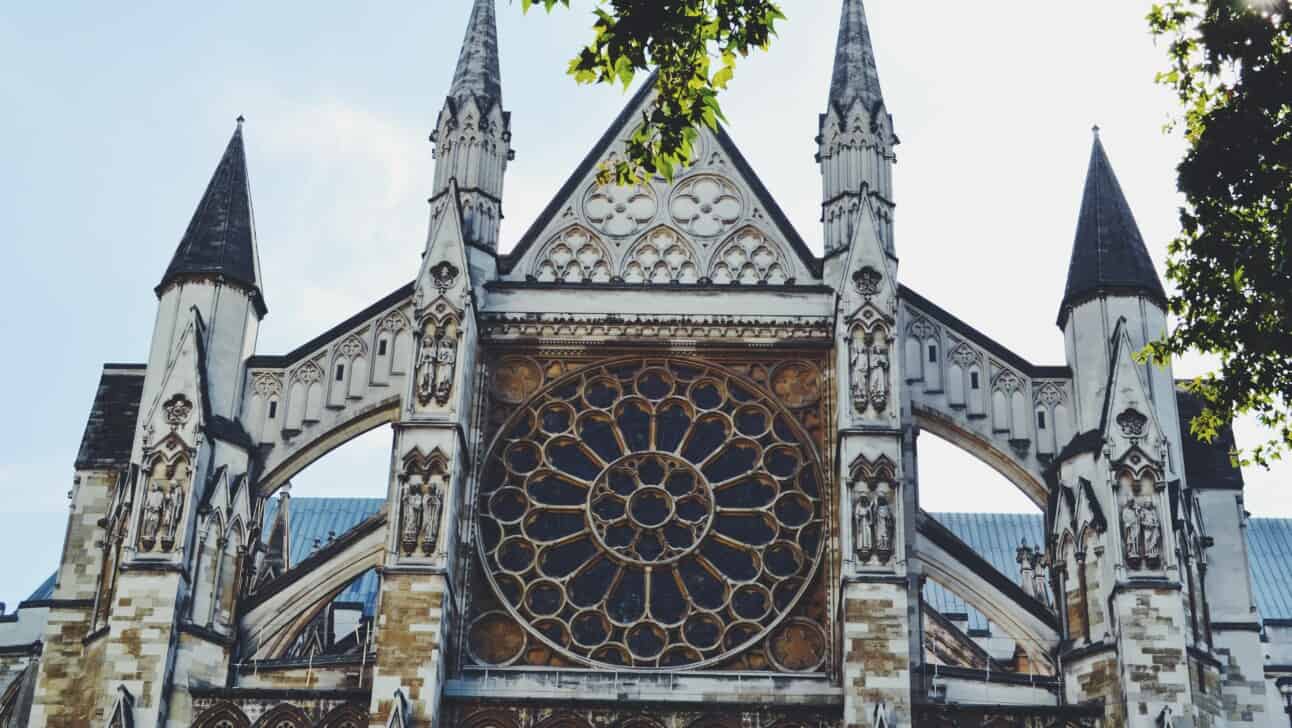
(653, 513)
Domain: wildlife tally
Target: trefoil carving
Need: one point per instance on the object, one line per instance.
(866, 280)
(443, 275)
(1132, 423)
(177, 408)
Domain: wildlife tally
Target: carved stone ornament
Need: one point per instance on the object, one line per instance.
(706, 205)
(661, 512)
(1132, 423)
(268, 385)
(867, 280)
(163, 503)
(619, 210)
(797, 384)
(1050, 394)
(437, 362)
(1141, 534)
(422, 483)
(869, 364)
(177, 409)
(874, 518)
(443, 275)
(965, 356)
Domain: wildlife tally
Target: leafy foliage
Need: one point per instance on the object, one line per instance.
(693, 45)
(1231, 67)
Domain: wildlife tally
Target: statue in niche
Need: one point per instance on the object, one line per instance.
(410, 514)
(1038, 576)
(433, 506)
(154, 507)
(863, 524)
(436, 364)
(446, 358)
(1131, 533)
(1150, 527)
(885, 528)
(171, 513)
(857, 358)
(878, 373)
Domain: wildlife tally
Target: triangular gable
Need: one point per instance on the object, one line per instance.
(870, 273)
(445, 270)
(717, 158)
(181, 406)
(1129, 419)
(399, 717)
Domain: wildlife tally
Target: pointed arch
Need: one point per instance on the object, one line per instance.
(749, 257)
(574, 255)
(661, 255)
(284, 715)
(222, 715)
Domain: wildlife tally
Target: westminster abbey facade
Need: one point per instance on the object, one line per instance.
(654, 467)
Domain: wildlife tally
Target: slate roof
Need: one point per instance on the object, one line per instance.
(314, 518)
(221, 237)
(993, 535)
(110, 430)
(1108, 253)
(477, 72)
(1206, 464)
(855, 74)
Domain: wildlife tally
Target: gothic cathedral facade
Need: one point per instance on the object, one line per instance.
(538, 561)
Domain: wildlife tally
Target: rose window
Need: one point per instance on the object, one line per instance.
(650, 513)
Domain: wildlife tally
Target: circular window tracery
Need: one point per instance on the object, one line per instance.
(651, 513)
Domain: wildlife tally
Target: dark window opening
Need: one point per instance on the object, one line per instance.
(273, 410)
(1040, 420)
(973, 380)
(933, 353)
(381, 348)
(340, 372)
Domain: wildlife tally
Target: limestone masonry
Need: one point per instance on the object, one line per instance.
(655, 467)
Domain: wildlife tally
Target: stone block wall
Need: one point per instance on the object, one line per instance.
(876, 651)
(1151, 646)
(410, 644)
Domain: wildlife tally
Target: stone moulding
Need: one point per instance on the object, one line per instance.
(705, 327)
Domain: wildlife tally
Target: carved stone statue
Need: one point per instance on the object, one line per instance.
(1131, 533)
(1151, 532)
(1038, 576)
(877, 379)
(433, 506)
(426, 371)
(885, 528)
(154, 506)
(446, 357)
(410, 514)
(863, 524)
(173, 510)
(857, 359)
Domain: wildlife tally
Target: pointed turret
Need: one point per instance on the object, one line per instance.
(1108, 254)
(473, 135)
(856, 139)
(220, 241)
(477, 72)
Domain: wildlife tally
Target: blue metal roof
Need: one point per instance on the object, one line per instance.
(313, 519)
(995, 536)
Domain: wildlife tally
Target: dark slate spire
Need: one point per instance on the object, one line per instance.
(221, 237)
(477, 72)
(1108, 255)
(855, 75)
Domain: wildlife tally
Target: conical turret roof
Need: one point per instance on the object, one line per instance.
(221, 237)
(1108, 254)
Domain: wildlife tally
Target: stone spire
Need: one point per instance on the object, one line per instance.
(856, 139)
(477, 72)
(220, 241)
(473, 134)
(855, 75)
(1108, 254)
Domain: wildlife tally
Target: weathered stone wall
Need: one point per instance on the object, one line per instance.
(1243, 685)
(350, 676)
(1207, 702)
(198, 662)
(1151, 647)
(1095, 677)
(876, 651)
(410, 639)
(137, 650)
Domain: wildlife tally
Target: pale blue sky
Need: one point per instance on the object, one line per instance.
(115, 115)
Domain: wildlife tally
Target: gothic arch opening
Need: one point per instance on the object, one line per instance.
(954, 479)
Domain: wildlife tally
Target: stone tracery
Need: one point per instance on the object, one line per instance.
(652, 513)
